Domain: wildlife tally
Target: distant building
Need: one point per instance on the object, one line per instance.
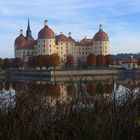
(130, 63)
(49, 43)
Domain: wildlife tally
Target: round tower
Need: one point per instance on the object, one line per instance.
(101, 42)
(46, 40)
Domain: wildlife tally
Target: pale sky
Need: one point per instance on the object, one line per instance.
(120, 18)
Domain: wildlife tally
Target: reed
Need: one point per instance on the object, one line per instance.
(29, 115)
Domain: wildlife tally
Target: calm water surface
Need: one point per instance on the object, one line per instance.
(66, 91)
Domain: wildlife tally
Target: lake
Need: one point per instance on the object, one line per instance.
(65, 91)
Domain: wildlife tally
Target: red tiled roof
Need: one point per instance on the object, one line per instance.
(64, 38)
(71, 39)
(27, 45)
(101, 36)
(85, 42)
(46, 33)
(20, 39)
(131, 60)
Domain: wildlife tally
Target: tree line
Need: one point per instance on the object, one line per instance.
(54, 61)
(11, 63)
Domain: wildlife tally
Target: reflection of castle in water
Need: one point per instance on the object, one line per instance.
(66, 91)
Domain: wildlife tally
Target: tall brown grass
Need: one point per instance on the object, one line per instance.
(84, 117)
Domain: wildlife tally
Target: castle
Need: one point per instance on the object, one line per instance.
(49, 43)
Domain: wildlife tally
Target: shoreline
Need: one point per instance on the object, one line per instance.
(67, 75)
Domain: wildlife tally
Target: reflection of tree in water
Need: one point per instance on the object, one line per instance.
(1, 86)
(65, 91)
(91, 89)
(135, 84)
(52, 90)
(70, 90)
(109, 87)
(7, 85)
(100, 88)
(19, 86)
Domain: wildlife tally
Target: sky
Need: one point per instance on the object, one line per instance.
(120, 20)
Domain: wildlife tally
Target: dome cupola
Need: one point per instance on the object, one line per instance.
(46, 32)
(20, 39)
(101, 35)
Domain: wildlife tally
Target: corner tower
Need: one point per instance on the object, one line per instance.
(101, 42)
(46, 40)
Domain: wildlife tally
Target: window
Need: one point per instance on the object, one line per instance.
(100, 42)
(100, 47)
(44, 46)
(61, 43)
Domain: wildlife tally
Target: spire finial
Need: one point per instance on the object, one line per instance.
(28, 22)
(28, 31)
(69, 34)
(100, 27)
(46, 22)
(21, 31)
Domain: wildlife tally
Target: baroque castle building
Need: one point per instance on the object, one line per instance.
(48, 43)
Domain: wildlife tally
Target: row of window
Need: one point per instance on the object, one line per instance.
(66, 44)
(27, 52)
(100, 52)
(44, 41)
(100, 43)
(81, 53)
(101, 47)
(85, 48)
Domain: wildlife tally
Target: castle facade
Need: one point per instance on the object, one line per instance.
(48, 43)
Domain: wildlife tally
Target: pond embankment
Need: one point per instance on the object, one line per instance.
(67, 75)
(64, 75)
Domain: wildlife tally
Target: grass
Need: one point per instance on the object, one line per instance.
(82, 117)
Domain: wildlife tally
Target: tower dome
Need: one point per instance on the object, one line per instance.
(46, 32)
(20, 39)
(101, 35)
